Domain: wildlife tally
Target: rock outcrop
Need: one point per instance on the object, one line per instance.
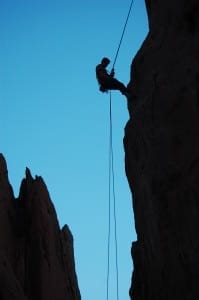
(36, 257)
(162, 154)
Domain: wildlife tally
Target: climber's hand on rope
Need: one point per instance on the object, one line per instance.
(112, 74)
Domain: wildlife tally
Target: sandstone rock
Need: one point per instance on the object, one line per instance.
(34, 263)
(162, 154)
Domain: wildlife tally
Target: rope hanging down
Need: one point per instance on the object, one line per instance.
(111, 175)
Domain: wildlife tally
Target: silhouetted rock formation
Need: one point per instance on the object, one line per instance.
(36, 257)
(162, 154)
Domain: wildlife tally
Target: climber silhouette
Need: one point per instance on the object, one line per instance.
(106, 80)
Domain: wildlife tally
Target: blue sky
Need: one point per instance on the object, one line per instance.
(54, 120)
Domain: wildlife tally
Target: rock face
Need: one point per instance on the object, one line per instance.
(36, 257)
(162, 154)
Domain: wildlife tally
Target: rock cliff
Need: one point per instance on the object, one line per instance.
(36, 257)
(162, 154)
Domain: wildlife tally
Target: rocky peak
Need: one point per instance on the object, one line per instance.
(37, 260)
(3, 167)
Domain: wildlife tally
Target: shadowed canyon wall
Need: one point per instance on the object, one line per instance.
(36, 257)
(162, 154)
(162, 165)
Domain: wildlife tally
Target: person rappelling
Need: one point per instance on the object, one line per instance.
(106, 80)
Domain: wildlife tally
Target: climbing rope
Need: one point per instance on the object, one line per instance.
(123, 32)
(111, 176)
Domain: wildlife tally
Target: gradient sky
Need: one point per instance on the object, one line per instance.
(55, 121)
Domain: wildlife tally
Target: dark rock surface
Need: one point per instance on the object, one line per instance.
(162, 154)
(36, 257)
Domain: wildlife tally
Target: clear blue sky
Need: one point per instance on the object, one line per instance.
(54, 120)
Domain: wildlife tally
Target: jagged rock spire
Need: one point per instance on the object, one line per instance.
(3, 167)
(37, 260)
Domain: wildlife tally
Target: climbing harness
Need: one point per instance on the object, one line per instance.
(111, 176)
